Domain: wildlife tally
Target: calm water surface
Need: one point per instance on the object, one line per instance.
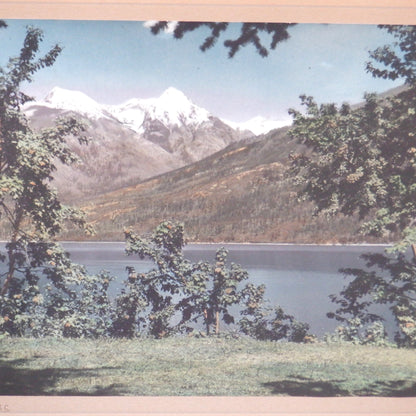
(297, 277)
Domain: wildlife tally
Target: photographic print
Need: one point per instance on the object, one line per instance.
(193, 208)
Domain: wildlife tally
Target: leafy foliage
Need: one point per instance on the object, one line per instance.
(263, 322)
(177, 292)
(30, 207)
(394, 285)
(398, 59)
(178, 295)
(61, 300)
(249, 34)
(353, 168)
(152, 294)
(224, 292)
(364, 161)
(354, 331)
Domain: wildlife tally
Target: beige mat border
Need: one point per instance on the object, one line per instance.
(302, 11)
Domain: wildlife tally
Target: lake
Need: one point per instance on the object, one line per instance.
(297, 277)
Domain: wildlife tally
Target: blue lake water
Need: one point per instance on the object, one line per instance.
(299, 278)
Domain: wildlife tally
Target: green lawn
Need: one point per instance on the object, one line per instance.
(203, 366)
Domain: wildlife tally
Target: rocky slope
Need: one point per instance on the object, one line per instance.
(132, 141)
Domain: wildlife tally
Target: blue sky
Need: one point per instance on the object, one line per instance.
(112, 61)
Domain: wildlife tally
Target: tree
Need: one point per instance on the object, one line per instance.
(30, 210)
(249, 34)
(178, 295)
(392, 283)
(397, 60)
(363, 161)
(223, 293)
(177, 292)
(152, 298)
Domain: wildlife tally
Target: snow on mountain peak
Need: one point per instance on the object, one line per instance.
(173, 107)
(63, 99)
(258, 125)
(172, 93)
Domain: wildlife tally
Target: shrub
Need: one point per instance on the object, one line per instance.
(263, 322)
(356, 332)
(177, 296)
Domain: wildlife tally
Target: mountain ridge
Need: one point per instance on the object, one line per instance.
(172, 105)
(132, 141)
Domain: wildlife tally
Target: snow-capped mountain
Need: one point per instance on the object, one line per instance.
(258, 125)
(62, 99)
(132, 141)
(172, 108)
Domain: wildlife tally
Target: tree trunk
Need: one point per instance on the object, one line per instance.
(11, 253)
(206, 321)
(217, 323)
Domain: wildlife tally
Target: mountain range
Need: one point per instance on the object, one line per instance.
(166, 158)
(137, 139)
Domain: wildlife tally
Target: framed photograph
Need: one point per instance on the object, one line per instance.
(207, 207)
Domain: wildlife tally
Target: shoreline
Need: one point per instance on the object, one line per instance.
(231, 243)
(201, 245)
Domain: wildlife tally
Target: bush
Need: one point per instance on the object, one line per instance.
(263, 322)
(390, 281)
(356, 332)
(178, 296)
(61, 300)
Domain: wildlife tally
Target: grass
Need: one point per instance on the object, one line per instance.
(203, 366)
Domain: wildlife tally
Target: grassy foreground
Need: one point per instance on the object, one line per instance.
(202, 366)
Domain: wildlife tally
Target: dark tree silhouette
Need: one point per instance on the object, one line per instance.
(249, 34)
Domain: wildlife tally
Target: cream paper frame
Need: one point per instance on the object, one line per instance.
(300, 11)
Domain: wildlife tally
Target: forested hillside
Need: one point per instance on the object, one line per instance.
(242, 194)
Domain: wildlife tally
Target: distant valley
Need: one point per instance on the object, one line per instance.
(240, 194)
(166, 158)
(132, 141)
